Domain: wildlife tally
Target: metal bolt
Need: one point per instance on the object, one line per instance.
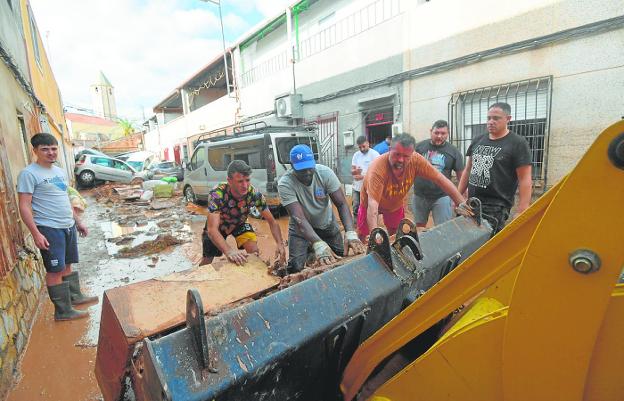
(584, 261)
(619, 150)
(616, 151)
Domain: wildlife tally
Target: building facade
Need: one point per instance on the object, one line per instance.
(29, 103)
(377, 67)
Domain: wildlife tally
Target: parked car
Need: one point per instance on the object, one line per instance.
(92, 168)
(138, 160)
(266, 150)
(159, 170)
(88, 152)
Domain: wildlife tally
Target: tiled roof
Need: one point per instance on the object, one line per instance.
(86, 119)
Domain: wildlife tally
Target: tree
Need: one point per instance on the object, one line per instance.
(126, 126)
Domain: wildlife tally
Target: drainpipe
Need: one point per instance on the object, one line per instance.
(291, 44)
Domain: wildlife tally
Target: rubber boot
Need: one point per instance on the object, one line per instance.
(59, 294)
(77, 297)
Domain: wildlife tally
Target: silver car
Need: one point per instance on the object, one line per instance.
(92, 168)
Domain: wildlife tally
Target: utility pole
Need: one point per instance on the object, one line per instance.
(225, 63)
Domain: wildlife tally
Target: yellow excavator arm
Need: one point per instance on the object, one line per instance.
(537, 313)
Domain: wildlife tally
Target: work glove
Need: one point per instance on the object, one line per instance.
(463, 209)
(323, 253)
(351, 241)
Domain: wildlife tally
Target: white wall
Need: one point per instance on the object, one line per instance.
(348, 43)
(217, 114)
(588, 73)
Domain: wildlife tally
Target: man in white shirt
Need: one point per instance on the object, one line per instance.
(361, 160)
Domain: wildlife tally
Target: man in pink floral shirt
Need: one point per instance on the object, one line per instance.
(229, 204)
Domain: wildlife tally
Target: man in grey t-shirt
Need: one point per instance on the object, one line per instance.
(305, 192)
(47, 212)
(428, 197)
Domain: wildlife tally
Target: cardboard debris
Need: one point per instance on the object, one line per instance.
(129, 192)
(162, 204)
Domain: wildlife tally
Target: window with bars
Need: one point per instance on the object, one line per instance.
(530, 117)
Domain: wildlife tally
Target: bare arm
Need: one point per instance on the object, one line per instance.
(525, 184)
(82, 229)
(237, 256)
(351, 239)
(463, 181)
(459, 174)
(447, 186)
(339, 200)
(25, 208)
(215, 236)
(305, 228)
(276, 233)
(372, 213)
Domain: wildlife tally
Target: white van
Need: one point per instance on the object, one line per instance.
(266, 149)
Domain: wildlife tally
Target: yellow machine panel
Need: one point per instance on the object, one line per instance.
(542, 315)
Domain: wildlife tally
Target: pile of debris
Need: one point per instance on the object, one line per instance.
(146, 219)
(310, 270)
(157, 245)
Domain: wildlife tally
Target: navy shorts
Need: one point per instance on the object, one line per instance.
(63, 249)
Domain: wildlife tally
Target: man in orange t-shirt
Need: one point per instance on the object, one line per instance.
(388, 180)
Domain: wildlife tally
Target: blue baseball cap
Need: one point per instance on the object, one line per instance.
(301, 157)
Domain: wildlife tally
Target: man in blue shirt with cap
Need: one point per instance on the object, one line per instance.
(305, 192)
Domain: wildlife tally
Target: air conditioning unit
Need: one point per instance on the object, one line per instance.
(288, 106)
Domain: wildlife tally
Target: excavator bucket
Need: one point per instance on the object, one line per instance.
(295, 343)
(537, 311)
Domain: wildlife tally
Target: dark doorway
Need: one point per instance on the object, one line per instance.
(378, 125)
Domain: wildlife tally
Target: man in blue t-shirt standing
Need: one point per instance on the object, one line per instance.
(47, 212)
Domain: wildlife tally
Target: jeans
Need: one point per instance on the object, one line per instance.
(441, 209)
(355, 198)
(299, 247)
(496, 215)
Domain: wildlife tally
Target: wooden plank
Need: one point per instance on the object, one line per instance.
(153, 306)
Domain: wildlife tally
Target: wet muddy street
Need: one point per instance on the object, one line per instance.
(126, 243)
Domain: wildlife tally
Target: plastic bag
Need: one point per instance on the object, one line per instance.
(79, 204)
(163, 191)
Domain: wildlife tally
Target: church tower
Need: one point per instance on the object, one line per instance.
(103, 98)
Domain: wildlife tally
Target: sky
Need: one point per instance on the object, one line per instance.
(146, 48)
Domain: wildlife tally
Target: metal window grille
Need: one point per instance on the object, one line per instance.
(369, 16)
(264, 69)
(530, 102)
(327, 131)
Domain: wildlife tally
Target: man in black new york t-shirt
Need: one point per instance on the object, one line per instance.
(498, 164)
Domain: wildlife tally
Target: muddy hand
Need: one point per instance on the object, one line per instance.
(464, 210)
(280, 254)
(237, 256)
(323, 253)
(353, 242)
